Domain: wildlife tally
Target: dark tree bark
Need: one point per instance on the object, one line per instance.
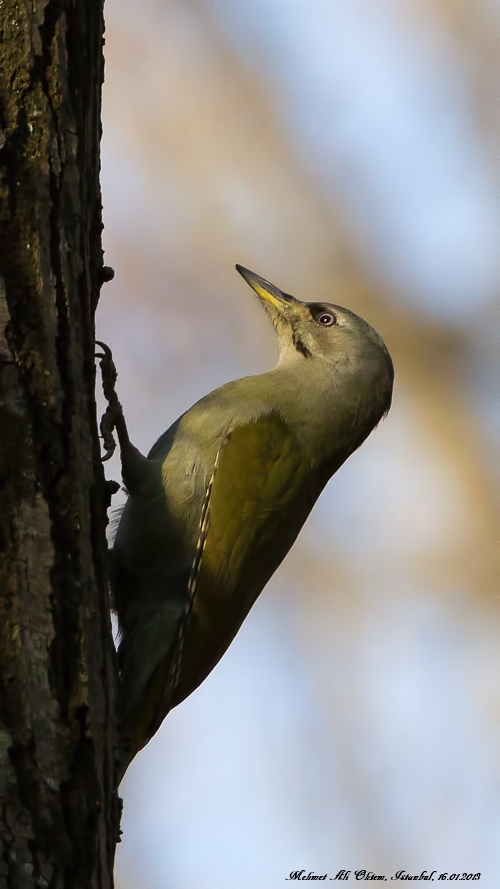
(58, 801)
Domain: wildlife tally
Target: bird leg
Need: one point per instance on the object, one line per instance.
(135, 466)
(113, 416)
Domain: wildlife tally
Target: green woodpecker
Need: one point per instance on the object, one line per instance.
(223, 494)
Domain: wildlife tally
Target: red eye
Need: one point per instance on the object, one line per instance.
(326, 319)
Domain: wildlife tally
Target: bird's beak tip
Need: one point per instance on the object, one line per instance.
(266, 291)
(249, 276)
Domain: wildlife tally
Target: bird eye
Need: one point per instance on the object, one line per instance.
(326, 319)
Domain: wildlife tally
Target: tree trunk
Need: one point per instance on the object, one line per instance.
(58, 801)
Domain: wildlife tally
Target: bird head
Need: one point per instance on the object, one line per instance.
(315, 332)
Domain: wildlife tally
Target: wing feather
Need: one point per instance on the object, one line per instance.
(258, 502)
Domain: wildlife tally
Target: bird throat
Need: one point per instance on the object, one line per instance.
(300, 345)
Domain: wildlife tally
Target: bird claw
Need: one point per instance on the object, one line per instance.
(108, 372)
(109, 452)
(114, 408)
(106, 428)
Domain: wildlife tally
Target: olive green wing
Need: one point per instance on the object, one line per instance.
(257, 500)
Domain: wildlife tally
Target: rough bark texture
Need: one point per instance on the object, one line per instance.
(58, 803)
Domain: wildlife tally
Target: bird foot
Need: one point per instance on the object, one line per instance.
(114, 411)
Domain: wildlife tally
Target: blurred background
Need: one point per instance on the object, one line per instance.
(347, 150)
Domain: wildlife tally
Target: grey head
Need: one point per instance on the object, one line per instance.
(323, 340)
